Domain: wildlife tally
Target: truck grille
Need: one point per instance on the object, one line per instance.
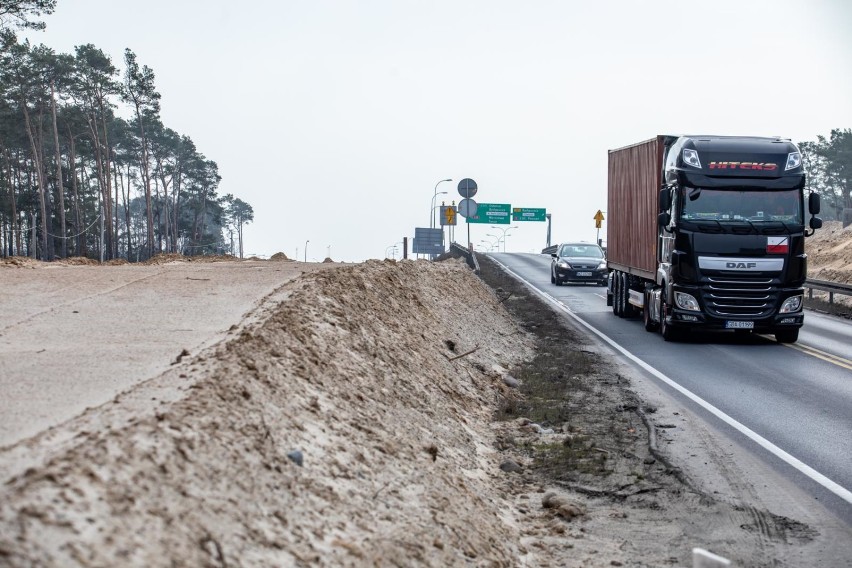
(739, 297)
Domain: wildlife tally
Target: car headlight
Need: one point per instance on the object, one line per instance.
(686, 302)
(791, 304)
(602, 266)
(563, 264)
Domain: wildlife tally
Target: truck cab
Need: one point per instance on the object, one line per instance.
(731, 230)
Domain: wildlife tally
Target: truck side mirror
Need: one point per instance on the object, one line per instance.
(666, 200)
(663, 219)
(816, 223)
(813, 203)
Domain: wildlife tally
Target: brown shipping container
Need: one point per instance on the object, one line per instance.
(633, 187)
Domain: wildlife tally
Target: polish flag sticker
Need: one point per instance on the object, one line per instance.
(777, 245)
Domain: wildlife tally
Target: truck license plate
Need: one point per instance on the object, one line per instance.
(739, 324)
(584, 274)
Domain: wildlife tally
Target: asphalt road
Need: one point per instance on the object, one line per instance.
(789, 405)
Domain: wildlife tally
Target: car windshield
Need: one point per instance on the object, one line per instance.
(582, 251)
(741, 205)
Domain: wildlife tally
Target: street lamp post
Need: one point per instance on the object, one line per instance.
(432, 209)
(306, 250)
(503, 238)
(489, 244)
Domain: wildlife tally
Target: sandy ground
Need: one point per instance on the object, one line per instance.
(830, 258)
(73, 335)
(388, 413)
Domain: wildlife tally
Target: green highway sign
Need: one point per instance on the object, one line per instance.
(527, 214)
(493, 213)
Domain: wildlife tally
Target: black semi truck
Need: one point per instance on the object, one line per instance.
(708, 233)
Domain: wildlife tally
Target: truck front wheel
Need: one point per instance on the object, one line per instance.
(787, 335)
(669, 332)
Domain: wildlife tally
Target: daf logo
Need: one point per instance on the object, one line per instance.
(738, 265)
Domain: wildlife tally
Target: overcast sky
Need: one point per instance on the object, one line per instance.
(335, 119)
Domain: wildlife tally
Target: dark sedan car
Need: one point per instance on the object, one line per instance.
(578, 262)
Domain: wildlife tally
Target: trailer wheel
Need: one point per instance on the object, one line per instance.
(616, 294)
(629, 309)
(622, 296)
(650, 324)
(787, 335)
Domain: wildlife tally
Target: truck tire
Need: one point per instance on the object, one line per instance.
(650, 324)
(629, 309)
(670, 333)
(622, 305)
(614, 294)
(787, 335)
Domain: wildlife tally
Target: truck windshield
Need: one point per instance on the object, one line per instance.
(741, 205)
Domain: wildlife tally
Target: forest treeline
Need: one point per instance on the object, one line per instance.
(87, 168)
(828, 163)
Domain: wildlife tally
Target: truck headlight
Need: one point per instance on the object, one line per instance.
(686, 302)
(794, 160)
(791, 304)
(690, 158)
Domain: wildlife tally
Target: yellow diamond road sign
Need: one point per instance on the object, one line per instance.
(448, 215)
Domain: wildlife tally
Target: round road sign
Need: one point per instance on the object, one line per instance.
(468, 207)
(467, 188)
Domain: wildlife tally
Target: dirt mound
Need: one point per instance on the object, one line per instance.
(352, 427)
(78, 261)
(279, 256)
(164, 258)
(830, 258)
(20, 262)
(830, 253)
(213, 258)
(327, 259)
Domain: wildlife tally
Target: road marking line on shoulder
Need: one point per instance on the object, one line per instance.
(794, 462)
(819, 354)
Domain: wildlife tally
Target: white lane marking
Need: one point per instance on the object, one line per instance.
(802, 467)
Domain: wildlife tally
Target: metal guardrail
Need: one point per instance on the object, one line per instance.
(831, 287)
(811, 284)
(468, 254)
